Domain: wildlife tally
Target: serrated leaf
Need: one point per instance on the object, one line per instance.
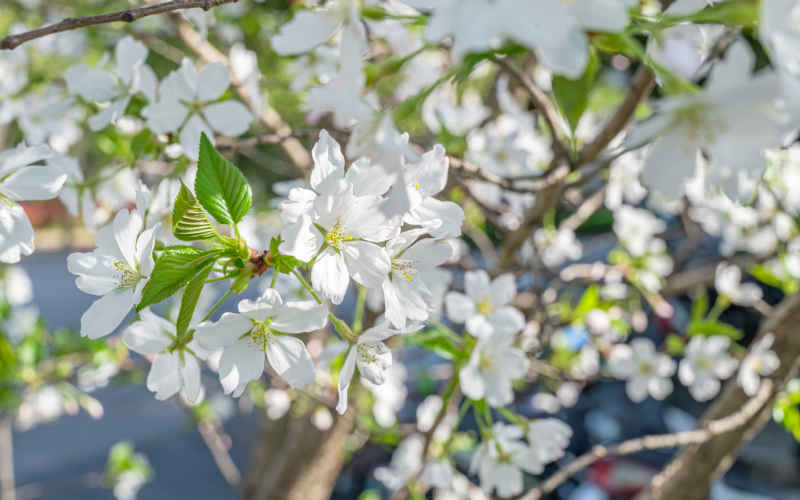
(572, 96)
(174, 268)
(190, 297)
(189, 221)
(220, 187)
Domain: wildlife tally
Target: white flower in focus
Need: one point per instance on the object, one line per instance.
(21, 179)
(264, 326)
(372, 357)
(646, 370)
(117, 270)
(760, 361)
(187, 104)
(491, 368)
(705, 362)
(131, 76)
(406, 291)
(171, 371)
(336, 227)
(728, 282)
(421, 182)
(484, 308)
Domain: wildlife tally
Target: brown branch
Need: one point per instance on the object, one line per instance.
(643, 84)
(691, 472)
(210, 432)
(7, 489)
(125, 16)
(544, 104)
(709, 430)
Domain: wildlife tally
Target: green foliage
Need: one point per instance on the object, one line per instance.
(787, 408)
(710, 327)
(572, 96)
(190, 297)
(700, 305)
(174, 268)
(788, 285)
(437, 341)
(282, 263)
(589, 301)
(189, 221)
(220, 187)
(123, 459)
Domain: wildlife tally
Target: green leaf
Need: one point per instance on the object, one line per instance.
(589, 301)
(190, 297)
(220, 186)
(174, 268)
(282, 263)
(710, 327)
(189, 221)
(675, 345)
(437, 342)
(572, 96)
(700, 305)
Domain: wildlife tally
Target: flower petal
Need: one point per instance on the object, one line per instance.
(106, 313)
(289, 357)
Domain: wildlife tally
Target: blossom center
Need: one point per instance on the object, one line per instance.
(336, 236)
(366, 353)
(405, 267)
(485, 305)
(127, 277)
(486, 363)
(261, 333)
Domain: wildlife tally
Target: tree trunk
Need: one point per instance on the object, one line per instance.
(294, 460)
(690, 474)
(7, 488)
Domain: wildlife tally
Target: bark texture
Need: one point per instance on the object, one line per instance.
(294, 460)
(690, 474)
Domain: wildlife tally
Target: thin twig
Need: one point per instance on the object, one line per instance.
(709, 430)
(642, 84)
(126, 16)
(219, 451)
(543, 102)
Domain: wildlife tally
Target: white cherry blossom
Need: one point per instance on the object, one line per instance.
(188, 104)
(406, 291)
(760, 361)
(484, 308)
(265, 326)
(130, 76)
(117, 270)
(171, 371)
(646, 370)
(705, 362)
(728, 282)
(372, 357)
(23, 178)
(491, 368)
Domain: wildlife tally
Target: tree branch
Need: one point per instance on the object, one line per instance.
(544, 104)
(7, 488)
(709, 430)
(126, 16)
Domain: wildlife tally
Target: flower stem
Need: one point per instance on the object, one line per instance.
(358, 318)
(219, 303)
(306, 286)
